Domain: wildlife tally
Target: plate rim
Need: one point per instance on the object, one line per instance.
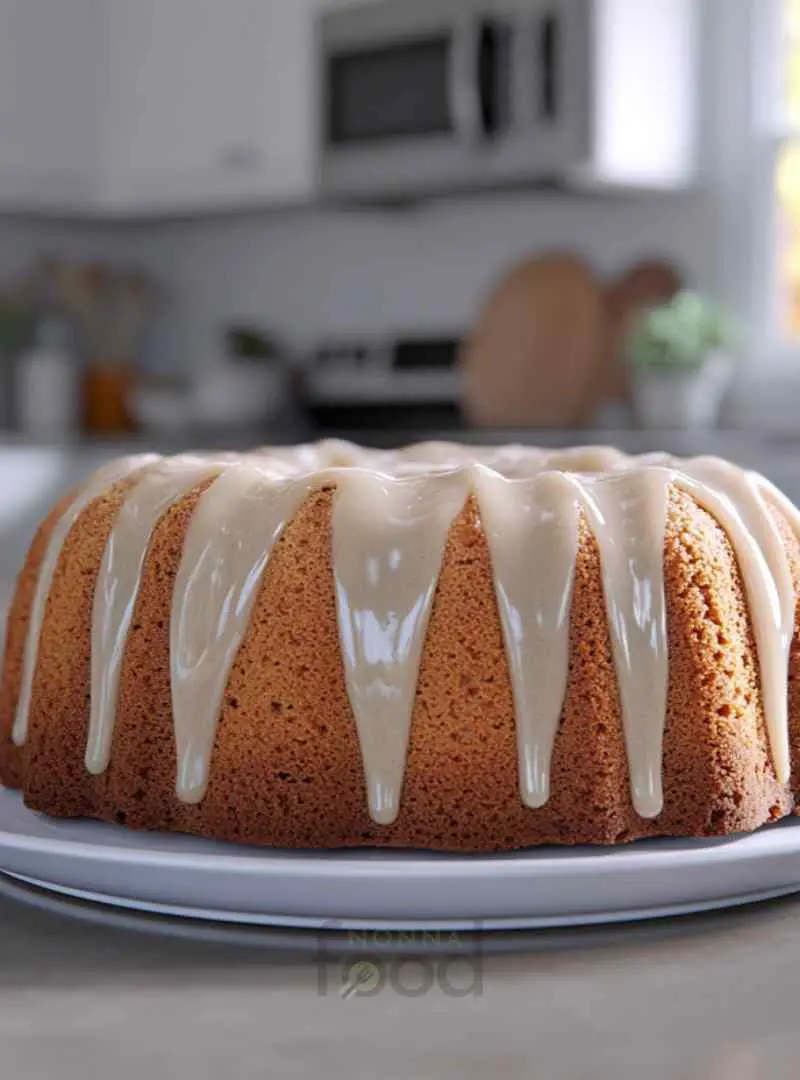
(395, 887)
(772, 839)
(475, 926)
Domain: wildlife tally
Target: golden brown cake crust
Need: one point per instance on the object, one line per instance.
(286, 768)
(16, 630)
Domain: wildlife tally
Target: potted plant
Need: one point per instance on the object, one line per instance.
(248, 384)
(680, 354)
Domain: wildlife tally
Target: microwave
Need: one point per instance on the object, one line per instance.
(420, 96)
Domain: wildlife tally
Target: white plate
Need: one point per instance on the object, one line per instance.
(549, 887)
(343, 943)
(389, 930)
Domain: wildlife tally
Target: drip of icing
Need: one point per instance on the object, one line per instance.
(233, 529)
(118, 585)
(532, 531)
(389, 537)
(775, 497)
(734, 498)
(97, 485)
(533, 524)
(627, 515)
(530, 525)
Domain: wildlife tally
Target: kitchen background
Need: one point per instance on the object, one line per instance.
(194, 245)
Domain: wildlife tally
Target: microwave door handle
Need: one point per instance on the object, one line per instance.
(464, 80)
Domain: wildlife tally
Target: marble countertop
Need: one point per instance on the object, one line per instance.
(711, 996)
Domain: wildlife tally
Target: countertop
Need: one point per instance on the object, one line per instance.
(710, 996)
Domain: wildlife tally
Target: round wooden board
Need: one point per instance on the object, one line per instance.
(532, 359)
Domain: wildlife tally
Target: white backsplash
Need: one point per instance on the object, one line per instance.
(23, 240)
(312, 273)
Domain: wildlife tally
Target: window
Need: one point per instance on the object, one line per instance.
(787, 173)
(752, 83)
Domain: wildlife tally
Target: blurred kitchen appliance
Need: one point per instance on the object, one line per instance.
(532, 359)
(369, 381)
(427, 95)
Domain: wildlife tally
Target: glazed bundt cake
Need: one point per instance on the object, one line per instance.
(440, 647)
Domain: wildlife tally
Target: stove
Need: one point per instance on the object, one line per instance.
(384, 382)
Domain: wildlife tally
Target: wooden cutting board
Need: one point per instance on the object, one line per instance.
(645, 284)
(533, 357)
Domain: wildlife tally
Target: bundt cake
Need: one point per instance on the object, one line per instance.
(440, 647)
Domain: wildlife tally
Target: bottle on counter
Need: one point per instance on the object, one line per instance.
(48, 380)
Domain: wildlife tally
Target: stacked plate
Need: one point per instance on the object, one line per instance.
(549, 887)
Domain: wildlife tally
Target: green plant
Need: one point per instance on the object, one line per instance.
(245, 342)
(679, 335)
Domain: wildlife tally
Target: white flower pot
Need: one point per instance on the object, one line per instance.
(229, 393)
(681, 399)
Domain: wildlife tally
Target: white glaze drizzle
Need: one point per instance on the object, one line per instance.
(628, 516)
(733, 497)
(529, 525)
(533, 525)
(389, 537)
(118, 585)
(231, 535)
(97, 485)
(391, 518)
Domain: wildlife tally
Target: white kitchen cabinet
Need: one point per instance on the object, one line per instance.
(125, 108)
(49, 66)
(207, 103)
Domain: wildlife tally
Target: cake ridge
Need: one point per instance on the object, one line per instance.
(157, 488)
(217, 582)
(100, 482)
